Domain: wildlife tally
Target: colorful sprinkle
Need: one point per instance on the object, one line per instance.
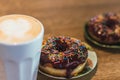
(64, 50)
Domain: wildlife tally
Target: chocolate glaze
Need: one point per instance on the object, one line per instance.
(106, 27)
(63, 53)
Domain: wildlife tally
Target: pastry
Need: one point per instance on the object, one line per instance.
(63, 56)
(105, 28)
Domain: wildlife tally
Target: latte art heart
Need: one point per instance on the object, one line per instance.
(18, 28)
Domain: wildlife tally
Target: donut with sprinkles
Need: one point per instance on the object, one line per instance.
(63, 56)
(105, 28)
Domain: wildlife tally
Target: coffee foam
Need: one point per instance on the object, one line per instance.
(18, 28)
(15, 28)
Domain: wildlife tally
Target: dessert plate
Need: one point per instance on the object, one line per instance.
(88, 37)
(86, 74)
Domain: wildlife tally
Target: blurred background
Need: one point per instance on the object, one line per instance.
(68, 17)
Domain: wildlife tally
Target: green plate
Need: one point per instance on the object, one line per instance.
(88, 37)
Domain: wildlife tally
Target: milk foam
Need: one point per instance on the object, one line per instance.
(15, 28)
(18, 28)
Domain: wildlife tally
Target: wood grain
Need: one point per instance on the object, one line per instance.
(68, 17)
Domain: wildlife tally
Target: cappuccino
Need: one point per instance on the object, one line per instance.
(15, 29)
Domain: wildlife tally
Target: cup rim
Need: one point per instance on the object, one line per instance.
(29, 41)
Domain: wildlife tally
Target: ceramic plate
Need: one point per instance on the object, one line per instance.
(87, 73)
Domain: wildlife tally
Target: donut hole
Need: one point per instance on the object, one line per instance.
(111, 23)
(61, 46)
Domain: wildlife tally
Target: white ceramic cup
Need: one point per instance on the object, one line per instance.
(21, 60)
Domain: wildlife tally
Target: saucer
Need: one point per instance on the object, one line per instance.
(85, 75)
(89, 38)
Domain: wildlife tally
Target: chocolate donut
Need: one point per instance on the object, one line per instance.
(105, 28)
(63, 56)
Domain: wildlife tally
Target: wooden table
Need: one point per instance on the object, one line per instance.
(67, 17)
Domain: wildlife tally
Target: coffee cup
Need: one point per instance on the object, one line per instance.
(20, 46)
